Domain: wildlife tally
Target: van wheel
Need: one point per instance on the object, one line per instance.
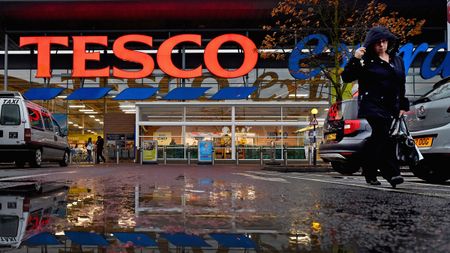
(345, 168)
(65, 161)
(36, 160)
(20, 164)
(430, 171)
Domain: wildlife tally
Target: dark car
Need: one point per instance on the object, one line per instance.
(344, 137)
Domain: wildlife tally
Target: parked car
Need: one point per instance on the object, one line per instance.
(429, 124)
(344, 137)
(29, 133)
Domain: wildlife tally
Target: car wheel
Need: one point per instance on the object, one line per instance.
(431, 171)
(345, 168)
(65, 161)
(36, 160)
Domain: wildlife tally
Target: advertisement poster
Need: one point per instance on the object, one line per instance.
(205, 151)
(150, 151)
(163, 138)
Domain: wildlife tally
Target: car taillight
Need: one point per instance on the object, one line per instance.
(26, 205)
(351, 126)
(27, 134)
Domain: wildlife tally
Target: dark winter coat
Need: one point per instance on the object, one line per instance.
(100, 142)
(381, 85)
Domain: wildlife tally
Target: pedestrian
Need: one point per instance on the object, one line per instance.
(99, 144)
(381, 97)
(89, 148)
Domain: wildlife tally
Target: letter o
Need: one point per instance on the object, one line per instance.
(212, 50)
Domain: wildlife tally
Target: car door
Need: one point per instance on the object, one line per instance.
(11, 127)
(51, 150)
(61, 139)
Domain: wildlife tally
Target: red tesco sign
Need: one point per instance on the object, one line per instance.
(163, 57)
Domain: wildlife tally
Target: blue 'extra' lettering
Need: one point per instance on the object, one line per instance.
(408, 51)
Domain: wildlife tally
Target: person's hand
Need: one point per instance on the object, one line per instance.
(359, 53)
(402, 112)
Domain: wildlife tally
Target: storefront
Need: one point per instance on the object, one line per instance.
(236, 129)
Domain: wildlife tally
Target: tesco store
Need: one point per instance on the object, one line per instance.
(178, 82)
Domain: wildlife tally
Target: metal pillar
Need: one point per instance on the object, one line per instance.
(261, 158)
(5, 76)
(285, 155)
(165, 154)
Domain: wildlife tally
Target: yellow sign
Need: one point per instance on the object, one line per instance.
(163, 138)
(150, 151)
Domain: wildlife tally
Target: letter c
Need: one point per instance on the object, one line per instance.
(164, 56)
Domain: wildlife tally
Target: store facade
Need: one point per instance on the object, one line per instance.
(121, 54)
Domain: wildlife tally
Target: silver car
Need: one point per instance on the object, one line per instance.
(429, 123)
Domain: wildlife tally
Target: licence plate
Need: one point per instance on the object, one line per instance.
(424, 142)
(331, 137)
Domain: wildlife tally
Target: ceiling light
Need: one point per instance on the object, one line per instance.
(91, 112)
(75, 125)
(97, 120)
(80, 127)
(77, 106)
(86, 110)
(91, 116)
(70, 123)
(62, 96)
(127, 106)
(101, 122)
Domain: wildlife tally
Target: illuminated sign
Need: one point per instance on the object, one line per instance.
(163, 57)
(408, 51)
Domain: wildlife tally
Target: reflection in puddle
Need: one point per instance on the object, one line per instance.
(199, 215)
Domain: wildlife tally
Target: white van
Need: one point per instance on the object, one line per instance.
(27, 209)
(29, 133)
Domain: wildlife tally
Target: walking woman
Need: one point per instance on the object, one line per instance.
(89, 148)
(381, 81)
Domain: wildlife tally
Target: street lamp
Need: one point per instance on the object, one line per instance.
(313, 122)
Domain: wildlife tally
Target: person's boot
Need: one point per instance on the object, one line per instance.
(396, 180)
(373, 181)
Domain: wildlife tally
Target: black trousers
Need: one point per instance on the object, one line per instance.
(380, 151)
(100, 154)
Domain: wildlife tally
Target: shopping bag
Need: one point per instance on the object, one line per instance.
(406, 149)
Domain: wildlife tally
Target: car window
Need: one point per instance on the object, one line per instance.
(10, 115)
(57, 127)
(48, 122)
(35, 118)
(443, 91)
(343, 110)
(9, 225)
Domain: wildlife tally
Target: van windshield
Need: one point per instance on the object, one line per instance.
(10, 115)
(9, 225)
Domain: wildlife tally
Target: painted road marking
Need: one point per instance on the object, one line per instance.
(346, 183)
(272, 179)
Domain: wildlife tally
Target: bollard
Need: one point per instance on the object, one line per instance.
(189, 155)
(261, 158)
(70, 157)
(165, 154)
(141, 153)
(237, 157)
(117, 155)
(285, 155)
(213, 156)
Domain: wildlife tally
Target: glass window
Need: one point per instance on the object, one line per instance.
(9, 225)
(440, 92)
(35, 118)
(10, 115)
(208, 113)
(248, 113)
(161, 113)
(57, 128)
(48, 122)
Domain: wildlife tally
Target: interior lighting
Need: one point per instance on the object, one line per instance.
(77, 106)
(97, 120)
(75, 125)
(127, 106)
(298, 95)
(86, 110)
(91, 116)
(70, 123)
(91, 112)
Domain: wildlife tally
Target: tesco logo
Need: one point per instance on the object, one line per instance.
(163, 56)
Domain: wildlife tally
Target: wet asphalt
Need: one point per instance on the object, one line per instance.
(280, 212)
